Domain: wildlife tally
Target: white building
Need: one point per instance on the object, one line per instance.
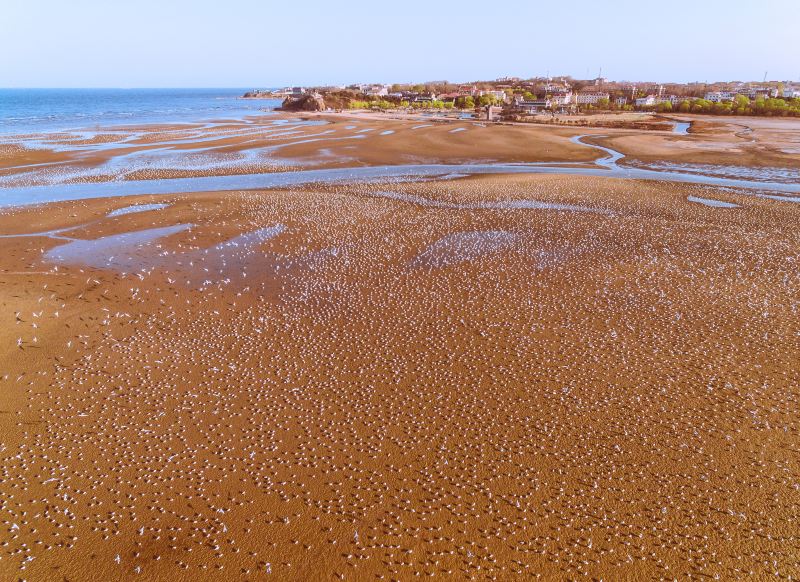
(719, 96)
(377, 90)
(591, 97)
(648, 101)
(791, 92)
(554, 87)
(562, 97)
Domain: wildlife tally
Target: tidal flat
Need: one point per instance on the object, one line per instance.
(497, 375)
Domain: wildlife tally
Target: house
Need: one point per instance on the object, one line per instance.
(449, 97)
(377, 90)
(620, 101)
(791, 92)
(561, 97)
(719, 96)
(467, 90)
(591, 97)
(766, 92)
(553, 87)
(532, 106)
(648, 101)
(423, 98)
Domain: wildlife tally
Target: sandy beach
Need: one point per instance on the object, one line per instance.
(551, 376)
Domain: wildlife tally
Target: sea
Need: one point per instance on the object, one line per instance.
(50, 110)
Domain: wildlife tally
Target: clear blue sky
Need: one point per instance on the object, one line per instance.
(260, 43)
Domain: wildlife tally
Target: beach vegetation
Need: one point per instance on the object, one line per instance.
(465, 102)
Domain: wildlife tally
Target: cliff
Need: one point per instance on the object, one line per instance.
(307, 102)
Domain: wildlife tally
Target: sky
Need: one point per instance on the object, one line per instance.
(267, 43)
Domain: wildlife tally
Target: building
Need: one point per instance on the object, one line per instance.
(449, 97)
(767, 92)
(532, 106)
(555, 87)
(377, 90)
(648, 101)
(562, 97)
(591, 97)
(424, 98)
(791, 92)
(620, 101)
(720, 96)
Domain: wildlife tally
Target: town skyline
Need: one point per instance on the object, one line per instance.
(600, 79)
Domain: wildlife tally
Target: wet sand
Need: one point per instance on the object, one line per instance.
(738, 141)
(277, 143)
(495, 377)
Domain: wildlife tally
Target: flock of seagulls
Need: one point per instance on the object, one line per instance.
(485, 378)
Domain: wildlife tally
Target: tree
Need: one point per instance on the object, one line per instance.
(465, 103)
(741, 102)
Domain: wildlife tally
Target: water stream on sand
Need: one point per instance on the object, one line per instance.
(606, 166)
(681, 127)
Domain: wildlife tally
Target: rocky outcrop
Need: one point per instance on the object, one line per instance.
(262, 94)
(307, 102)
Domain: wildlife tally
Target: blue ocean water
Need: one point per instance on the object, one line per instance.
(47, 110)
